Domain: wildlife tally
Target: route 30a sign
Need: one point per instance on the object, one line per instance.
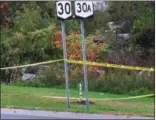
(64, 9)
(84, 9)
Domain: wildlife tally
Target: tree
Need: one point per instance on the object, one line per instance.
(98, 22)
(139, 16)
(9, 8)
(29, 38)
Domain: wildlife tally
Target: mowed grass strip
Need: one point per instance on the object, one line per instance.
(61, 92)
(32, 98)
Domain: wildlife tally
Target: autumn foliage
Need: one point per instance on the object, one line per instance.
(74, 49)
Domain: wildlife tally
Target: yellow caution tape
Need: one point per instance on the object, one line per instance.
(110, 65)
(104, 99)
(86, 63)
(125, 98)
(35, 64)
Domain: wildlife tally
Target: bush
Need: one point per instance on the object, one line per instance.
(115, 82)
(32, 83)
(51, 76)
(48, 77)
(29, 40)
(121, 83)
(118, 83)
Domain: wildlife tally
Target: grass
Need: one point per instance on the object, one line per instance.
(31, 98)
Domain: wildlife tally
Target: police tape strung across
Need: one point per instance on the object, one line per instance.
(127, 98)
(112, 65)
(34, 64)
(87, 63)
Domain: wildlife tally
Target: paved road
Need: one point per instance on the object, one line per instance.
(13, 116)
(7, 113)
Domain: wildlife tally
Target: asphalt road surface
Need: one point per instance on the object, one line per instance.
(7, 113)
(12, 116)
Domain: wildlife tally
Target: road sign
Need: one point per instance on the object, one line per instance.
(64, 9)
(84, 9)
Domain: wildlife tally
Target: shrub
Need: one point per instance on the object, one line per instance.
(27, 41)
(121, 83)
(48, 76)
(117, 83)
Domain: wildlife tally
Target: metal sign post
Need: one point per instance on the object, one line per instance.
(84, 9)
(84, 66)
(64, 11)
(65, 63)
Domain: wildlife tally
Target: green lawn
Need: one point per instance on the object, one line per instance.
(32, 98)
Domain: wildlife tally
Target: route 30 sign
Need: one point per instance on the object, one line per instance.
(84, 9)
(64, 9)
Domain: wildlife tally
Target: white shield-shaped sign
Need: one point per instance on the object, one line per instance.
(64, 9)
(84, 9)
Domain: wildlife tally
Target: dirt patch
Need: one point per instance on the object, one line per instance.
(83, 102)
